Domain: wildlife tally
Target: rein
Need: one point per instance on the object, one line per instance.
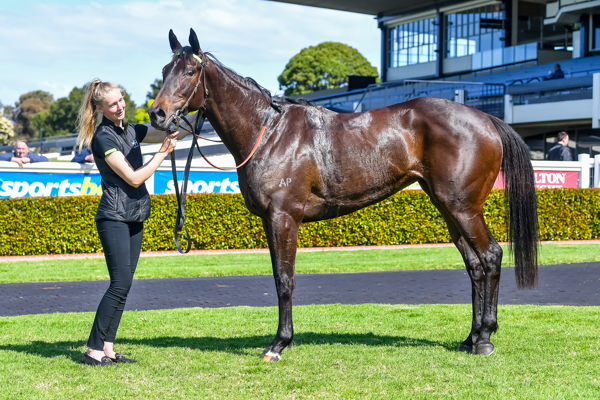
(181, 195)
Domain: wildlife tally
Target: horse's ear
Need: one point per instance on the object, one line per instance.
(175, 45)
(194, 42)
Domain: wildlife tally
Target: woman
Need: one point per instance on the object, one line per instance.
(123, 207)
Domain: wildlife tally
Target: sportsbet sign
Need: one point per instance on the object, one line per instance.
(68, 179)
(71, 179)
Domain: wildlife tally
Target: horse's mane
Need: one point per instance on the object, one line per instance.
(275, 102)
(244, 80)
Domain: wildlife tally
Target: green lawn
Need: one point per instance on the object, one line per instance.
(196, 265)
(342, 352)
(370, 351)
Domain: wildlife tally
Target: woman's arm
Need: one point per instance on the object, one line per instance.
(118, 163)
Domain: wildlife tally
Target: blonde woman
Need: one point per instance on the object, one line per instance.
(123, 207)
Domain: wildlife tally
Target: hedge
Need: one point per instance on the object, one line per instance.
(65, 225)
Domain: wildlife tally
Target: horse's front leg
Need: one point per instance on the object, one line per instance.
(282, 236)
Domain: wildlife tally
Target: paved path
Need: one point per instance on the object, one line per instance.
(573, 284)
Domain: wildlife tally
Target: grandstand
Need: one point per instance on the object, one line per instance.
(492, 55)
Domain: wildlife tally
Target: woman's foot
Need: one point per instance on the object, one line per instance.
(120, 358)
(89, 359)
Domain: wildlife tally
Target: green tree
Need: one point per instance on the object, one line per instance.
(141, 115)
(130, 107)
(325, 66)
(27, 107)
(61, 117)
(154, 89)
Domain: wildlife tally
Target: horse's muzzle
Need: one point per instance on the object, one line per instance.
(158, 118)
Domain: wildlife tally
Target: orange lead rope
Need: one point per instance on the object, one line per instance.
(260, 135)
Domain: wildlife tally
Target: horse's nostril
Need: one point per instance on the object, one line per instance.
(157, 115)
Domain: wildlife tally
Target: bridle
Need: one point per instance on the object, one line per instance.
(180, 113)
(194, 130)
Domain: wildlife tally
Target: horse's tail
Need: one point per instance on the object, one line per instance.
(520, 204)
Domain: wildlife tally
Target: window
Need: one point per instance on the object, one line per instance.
(475, 30)
(413, 43)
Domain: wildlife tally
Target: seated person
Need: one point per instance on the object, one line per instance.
(21, 155)
(557, 74)
(84, 156)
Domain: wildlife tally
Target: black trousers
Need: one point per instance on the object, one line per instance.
(122, 243)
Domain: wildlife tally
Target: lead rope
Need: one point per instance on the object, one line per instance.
(181, 195)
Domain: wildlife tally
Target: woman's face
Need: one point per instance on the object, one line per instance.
(113, 107)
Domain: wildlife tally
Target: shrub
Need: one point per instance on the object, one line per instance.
(65, 225)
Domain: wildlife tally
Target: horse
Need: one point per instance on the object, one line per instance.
(300, 162)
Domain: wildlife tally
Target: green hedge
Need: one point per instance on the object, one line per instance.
(65, 225)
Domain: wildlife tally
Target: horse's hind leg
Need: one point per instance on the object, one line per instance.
(282, 236)
(483, 258)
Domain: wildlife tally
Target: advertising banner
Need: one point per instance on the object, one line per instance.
(549, 180)
(198, 182)
(19, 183)
(43, 184)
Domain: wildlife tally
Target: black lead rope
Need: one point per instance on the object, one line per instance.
(181, 195)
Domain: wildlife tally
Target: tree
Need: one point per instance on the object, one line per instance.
(61, 117)
(141, 115)
(325, 66)
(154, 89)
(28, 106)
(6, 129)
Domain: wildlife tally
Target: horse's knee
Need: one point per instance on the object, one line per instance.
(493, 260)
(285, 285)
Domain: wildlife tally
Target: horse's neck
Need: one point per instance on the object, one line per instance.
(234, 110)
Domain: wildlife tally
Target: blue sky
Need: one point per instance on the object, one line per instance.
(56, 45)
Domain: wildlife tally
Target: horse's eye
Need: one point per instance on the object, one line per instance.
(191, 72)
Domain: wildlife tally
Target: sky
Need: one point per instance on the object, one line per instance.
(56, 45)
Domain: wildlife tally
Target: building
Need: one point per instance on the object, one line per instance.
(495, 55)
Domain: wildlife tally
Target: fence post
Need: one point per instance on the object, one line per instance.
(584, 174)
(460, 96)
(508, 109)
(597, 171)
(596, 101)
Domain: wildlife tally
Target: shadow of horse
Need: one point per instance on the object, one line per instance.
(236, 345)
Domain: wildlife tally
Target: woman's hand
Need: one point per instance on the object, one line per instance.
(169, 143)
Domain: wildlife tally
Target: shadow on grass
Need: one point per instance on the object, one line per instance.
(236, 345)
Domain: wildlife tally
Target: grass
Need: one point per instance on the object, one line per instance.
(198, 265)
(369, 351)
(342, 352)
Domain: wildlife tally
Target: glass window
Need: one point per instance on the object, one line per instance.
(475, 30)
(413, 43)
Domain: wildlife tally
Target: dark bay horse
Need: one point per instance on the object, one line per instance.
(313, 164)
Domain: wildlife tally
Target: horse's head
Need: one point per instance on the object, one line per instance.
(183, 83)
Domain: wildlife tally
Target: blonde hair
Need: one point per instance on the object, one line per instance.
(95, 92)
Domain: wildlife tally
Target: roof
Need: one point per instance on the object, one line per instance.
(379, 8)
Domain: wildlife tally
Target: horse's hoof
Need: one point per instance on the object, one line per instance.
(466, 348)
(269, 356)
(484, 349)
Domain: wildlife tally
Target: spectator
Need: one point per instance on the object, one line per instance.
(560, 151)
(21, 155)
(83, 156)
(557, 74)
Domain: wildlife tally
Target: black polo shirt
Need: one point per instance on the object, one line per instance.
(120, 201)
